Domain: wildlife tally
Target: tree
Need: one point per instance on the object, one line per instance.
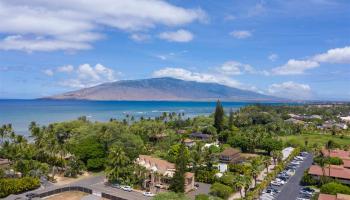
(267, 162)
(119, 167)
(255, 169)
(178, 181)
(230, 120)
(329, 146)
(220, 190)
(219, 117)
(239, 184)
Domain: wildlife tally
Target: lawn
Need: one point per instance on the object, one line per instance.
(321, 139)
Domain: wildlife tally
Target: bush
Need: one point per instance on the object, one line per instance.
(334, 188)
(206, 197)
(170, 196)
(205, 176)
(330, 160)
(17, 185)
(307, 179)
(220, 190)
(95, 164)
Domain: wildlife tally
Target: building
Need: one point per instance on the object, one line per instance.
(200, 136)
(334, 197)
(339, 172)
(159, 174)
(228, 156)
(189, 143)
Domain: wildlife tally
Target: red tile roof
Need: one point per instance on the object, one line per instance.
(336, 171)
(327, 197)
(162, 165)
(337, 153)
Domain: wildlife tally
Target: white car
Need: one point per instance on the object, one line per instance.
(148, 194)
(126, 188)
(276, 183)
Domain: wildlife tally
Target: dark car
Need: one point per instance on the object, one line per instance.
(30, 195)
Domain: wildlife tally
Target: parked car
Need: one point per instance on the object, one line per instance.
(30, 195)
(126, 188)
(276, 183)
(148, 194)
(115, 185)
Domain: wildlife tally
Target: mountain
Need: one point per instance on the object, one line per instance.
(168, 89)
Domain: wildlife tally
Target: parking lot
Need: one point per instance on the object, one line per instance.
(286, 186)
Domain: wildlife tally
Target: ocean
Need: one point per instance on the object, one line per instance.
(21, 112)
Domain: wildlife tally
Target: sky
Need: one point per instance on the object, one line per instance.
(298, 49)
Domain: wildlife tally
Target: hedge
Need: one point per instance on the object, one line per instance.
(220, 190)
(334, 188)
(253, 194)
(17, 185)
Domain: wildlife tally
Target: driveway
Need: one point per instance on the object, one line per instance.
(290, 191)
(203, 188)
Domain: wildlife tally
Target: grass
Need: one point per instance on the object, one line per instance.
(320, 139)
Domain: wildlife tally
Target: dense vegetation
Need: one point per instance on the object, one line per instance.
(72, 147)
(14, 186)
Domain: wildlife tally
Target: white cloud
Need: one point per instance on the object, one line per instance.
(235, 68)
(291, 90)
(18, 42)
(337, 55)
(258, 9)
(48, 72)
(177, 36)
(295, 67)
(40, 25)
(66, 68)
(86, 75)
(241, 34)
(187, 75)
(273, 57)
(140, 37)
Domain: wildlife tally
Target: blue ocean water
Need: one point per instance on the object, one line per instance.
(21, 112)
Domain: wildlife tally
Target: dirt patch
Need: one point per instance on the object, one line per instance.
(72, 195)
(62, 180)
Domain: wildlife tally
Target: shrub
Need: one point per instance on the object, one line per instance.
(17, 185)
(206, 197)
(95, 164)
(205, 176)
(307, 179)
(334, 188)
(220, 190)
(170, 196)
(330, 160)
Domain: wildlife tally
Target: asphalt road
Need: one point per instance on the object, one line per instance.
(290, 191)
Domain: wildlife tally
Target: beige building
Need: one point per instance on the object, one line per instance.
(159, 174)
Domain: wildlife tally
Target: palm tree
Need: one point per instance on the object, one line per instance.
(267, 162)
(329, 146)
(117, 161)
(255, 169)
(239, 183)
(322, 163)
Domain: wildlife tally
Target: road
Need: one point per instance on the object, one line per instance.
(290, 191)
(96, 183)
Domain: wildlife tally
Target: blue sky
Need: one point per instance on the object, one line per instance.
(297, 49)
